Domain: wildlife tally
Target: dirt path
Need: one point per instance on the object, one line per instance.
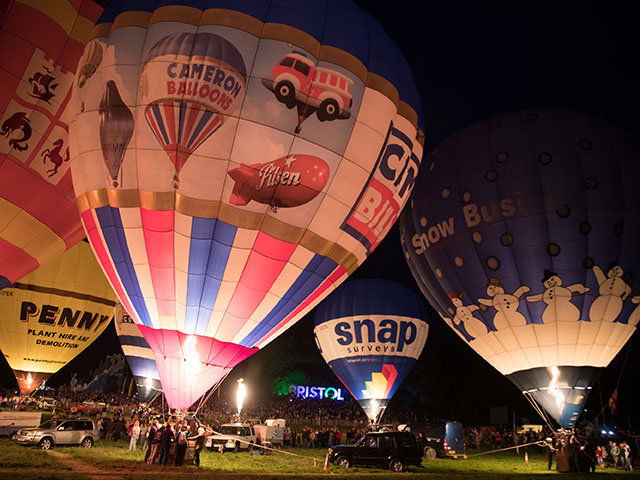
(82, 468)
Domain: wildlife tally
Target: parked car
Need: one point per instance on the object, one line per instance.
(389, 449)
(440, 439)
(47, 403)
(232, 436)
(81, 431)
(89, 408)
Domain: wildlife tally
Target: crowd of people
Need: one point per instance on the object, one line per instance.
(311, 423)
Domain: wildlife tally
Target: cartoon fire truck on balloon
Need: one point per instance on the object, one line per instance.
(297, 82)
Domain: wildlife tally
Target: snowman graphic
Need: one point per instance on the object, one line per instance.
(464, 317)
(613, 292)
(506, 305)
(635, 315)
(558, 299)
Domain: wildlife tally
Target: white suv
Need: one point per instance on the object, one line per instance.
(233, 436)
(81, 431)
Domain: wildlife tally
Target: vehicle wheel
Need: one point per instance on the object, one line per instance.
(430, 453)
(396, 465)
(328, 110)
(286, 93)
(343, 462)
(45, 444)
(87, 442)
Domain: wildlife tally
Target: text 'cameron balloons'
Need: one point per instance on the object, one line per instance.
(140, 357)
(41, 42)
(524, 233)
(53, 314)
(234, 165)
(371, 332)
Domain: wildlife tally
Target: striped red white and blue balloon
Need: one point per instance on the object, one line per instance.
(234, 164)
(371, 332)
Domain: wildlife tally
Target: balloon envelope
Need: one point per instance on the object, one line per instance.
(371, 332)
(41, 44)
(53, 314)
(140, 357)
(523, 231)
(234, 165)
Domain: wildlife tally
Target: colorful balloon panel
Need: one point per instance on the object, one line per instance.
(41, 43)
(234, 165)
(53, 314)
(371, 332)
(523, 229)
(139, 355)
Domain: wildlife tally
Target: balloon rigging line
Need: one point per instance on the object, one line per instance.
(262, 447)
(539, 410)
(540, 443)
(206, 397)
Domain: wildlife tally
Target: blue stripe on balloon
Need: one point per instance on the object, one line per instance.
(160, 122)
(113, 233)
(182, 111)
(318, 269)
(133, 340)
(202, 123)
(211, 242)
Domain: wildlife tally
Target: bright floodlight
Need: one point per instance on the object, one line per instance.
(148, 383)
(242, 392)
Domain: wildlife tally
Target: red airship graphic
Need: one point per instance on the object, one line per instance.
(289, 181)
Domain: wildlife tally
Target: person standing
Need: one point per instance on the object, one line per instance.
(615, 454)
(165, 444)
(199, 439)
(551, 450)
(181, 441)
(135, 434)
(151, 433)
(155, 444)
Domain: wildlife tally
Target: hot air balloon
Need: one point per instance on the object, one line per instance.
(523, 230)
(139, 355)
(371, 332)
(41, 45)
(226, 226)
(53, 314)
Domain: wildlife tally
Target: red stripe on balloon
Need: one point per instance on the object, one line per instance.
(15, 263)
(267, 259)
(158, 228)
(333, 279)
(100, 250)
(390, 374)
(27, 190)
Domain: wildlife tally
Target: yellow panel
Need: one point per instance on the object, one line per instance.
(55, 312)
(28, 233)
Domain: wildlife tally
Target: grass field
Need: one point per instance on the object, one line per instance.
(108, 460)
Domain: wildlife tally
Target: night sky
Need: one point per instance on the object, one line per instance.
(471, 60)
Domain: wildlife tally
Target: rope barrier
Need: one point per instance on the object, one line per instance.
(264, 447)
(540, 443)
